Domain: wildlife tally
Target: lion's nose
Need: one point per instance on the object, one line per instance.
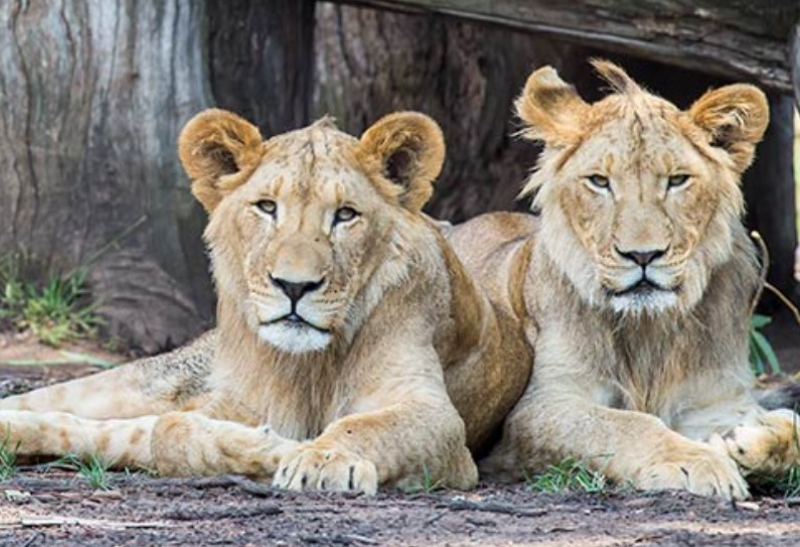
(642, 258)
(296, 290)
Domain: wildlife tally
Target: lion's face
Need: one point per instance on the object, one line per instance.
(637, 197)
(298, 235)
(302, 226)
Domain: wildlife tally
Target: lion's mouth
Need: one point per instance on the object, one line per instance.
(643, 287)
(294, 320)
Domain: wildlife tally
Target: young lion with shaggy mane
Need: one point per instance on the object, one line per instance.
(639, 279)
(345, 327)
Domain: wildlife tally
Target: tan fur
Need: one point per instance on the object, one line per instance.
(650, 385)
(365, 379)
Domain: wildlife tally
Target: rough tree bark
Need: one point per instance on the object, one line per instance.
(794, 59)
(738, 39)
(93, 96)
(261, 59)
(770, 195)
(464, 74)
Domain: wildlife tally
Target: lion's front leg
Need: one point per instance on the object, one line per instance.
(401, 429)
(409, 444)
(189, 443)
(629, 447)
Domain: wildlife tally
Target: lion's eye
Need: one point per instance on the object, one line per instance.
(676, 181)
(267, 206)
(344, 214)
(599, 181)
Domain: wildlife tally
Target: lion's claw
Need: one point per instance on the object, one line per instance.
(700, 470)
(329, 469)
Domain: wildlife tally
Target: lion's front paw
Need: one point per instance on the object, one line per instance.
(331, 469)
(699, 470)
(764, 443)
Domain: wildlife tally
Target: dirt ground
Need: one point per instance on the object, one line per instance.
(58, 509)
(41, 506)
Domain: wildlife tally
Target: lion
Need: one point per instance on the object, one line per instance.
(351, 345)
(639, 279)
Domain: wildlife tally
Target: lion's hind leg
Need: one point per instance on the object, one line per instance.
(119, 443)
(173, 444)
(765, 443)
(113, 393)
(154, 385)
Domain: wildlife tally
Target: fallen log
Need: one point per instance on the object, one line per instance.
(737, 39)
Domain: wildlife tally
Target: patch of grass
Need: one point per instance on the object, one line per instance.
(94, 469)
(54, 312)
(568, 476)
(8, 459)
(787, 486)
(762, 355)
(426, 484)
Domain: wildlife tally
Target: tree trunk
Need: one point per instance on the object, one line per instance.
(463, 74)
(94, 94)
(738, 39)
(770, 194)
(794, 60)
(261, 59)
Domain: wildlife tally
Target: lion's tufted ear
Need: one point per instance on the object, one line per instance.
(552, 109)
(409, 147)
(218, 150)
(734, 118)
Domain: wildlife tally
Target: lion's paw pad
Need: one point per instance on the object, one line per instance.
(704, 473)
(333, 470)
(766, 442)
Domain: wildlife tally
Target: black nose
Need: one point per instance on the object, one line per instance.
(642, 258)
(294, 290)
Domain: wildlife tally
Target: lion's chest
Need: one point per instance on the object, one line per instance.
(628, 370)
(300, 422)
(647, 372)
(303, 408)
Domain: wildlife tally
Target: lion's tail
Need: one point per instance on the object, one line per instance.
(152, 385)
(783, 396)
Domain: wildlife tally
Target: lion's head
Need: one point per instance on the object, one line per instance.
(639, 200)
(305, 225)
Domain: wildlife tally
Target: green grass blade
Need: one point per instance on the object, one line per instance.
(77, 357)
(760, 321)
(765, 348)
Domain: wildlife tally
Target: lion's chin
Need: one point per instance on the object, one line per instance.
(294, 337)
(653, 302)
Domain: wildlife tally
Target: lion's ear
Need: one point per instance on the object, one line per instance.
(551, 109)
(734, 118)
(409, 147)
(215, 148)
